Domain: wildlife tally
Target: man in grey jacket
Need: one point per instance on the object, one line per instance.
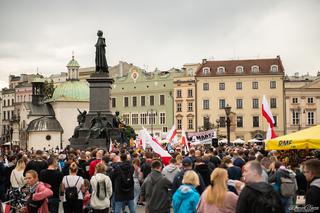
(155, 190)
(171, 170)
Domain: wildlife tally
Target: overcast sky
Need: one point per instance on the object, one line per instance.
(161, 33)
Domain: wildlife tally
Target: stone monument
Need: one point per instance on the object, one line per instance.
(95, 128)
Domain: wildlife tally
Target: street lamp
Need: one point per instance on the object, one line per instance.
(218, 125)
(152, 115)
(228, 111)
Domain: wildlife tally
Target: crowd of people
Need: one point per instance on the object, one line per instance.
(206, 179)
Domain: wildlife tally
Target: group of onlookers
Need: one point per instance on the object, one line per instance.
(203, 180)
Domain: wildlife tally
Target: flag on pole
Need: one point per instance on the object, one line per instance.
(155, 145)
(110, 146)
(171, 134)
(184, 140)
(266, 112)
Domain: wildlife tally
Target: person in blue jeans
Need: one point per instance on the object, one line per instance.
(186, 198)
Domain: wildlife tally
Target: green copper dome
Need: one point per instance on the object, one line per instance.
(71, 91)
(73, 63)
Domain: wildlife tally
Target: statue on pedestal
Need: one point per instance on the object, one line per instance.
(101, 61)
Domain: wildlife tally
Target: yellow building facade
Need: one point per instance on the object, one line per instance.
(240, 84)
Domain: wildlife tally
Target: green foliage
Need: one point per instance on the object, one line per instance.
(48, 89)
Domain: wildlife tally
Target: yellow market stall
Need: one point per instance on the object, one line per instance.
(304, 139)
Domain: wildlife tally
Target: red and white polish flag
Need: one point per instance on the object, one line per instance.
(266, 112)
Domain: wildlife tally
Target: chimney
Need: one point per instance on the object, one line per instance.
(120, 68)
(204, 61)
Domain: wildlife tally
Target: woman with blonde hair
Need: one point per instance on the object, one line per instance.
(217, 198)
(17, 178)
(186, 198)
(72, 186)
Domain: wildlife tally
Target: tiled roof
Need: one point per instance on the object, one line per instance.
(231, 65)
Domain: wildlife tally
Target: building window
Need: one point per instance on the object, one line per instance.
(206, 86)
(151, 100)
(134, 101)
(152, 118)
(310, 118)
(143, 118)
(162, 118)
(179, 123)
(221, 86)
(239, 121)
(239, 69)
(273, 103)
(164, 129)
(222, 121)
(220, 70)
(126, 101)
(205, 71)
(205, 104)
(255, 69)
(255, 103)
(295, 117)
(190, 107)
(273, 84)
(206, 121)
(179, 107)
(113, 103)
(239, 103)
(222, 103)
(310, 100)
(179, 93)
(134, 119)
(190, 123)
(255, 121)
(162, 100)
(190, 95)
(239, 85)
(143, 100)
(275, 118)
(255, 85)
(126, 118)
(274, 68)
(294, 100)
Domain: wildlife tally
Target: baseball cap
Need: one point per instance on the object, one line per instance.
(187, 161)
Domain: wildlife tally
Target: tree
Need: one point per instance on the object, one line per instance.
(48, 89)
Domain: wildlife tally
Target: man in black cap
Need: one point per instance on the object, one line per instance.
(177, 181)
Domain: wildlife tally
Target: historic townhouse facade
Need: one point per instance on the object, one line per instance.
(240, 84)
(185, 99)
(302, 97)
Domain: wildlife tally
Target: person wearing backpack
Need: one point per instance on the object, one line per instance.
(257, 196)
(101, 190)
(71, 187)
(122, 176)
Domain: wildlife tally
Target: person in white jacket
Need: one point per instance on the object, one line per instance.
(17, 178)
(101, 190)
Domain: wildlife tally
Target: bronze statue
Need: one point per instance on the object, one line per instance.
(101, 61)
(116, 120)
(81, 118)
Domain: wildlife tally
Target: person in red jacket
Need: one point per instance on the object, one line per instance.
(93, 163)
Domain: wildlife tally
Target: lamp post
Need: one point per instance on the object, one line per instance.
(218, 125)
(228, 111)
(151, 115)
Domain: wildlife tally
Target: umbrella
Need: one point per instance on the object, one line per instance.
(304, 139)
(224, 141)
(254, 140)
(239, 141)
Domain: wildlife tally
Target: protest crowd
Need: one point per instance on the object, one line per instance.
(204, 179)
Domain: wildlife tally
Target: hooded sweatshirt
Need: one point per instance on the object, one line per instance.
(259, 197)
(185, 199)
(155, 190)
(95, 202)
(170, 171)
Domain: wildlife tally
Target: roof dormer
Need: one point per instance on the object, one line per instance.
(206, 70)
(221, 70)
(274, 68)
(239, 69)
(255, 69)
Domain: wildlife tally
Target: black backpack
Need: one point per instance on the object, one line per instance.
(267, 201)
(71, 193)
(101, 189)
(126, 180)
